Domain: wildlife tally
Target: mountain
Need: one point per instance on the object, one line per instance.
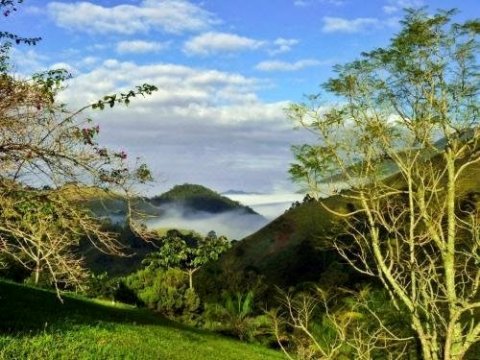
(297, 246)
(292, 249)
(184, 207)
(197, 198)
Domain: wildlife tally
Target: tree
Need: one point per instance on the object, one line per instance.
(48, 156)
(404, 140)
(188, 252)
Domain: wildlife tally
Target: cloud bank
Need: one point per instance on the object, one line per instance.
(169, 16)
(203, 126)
(233, 224)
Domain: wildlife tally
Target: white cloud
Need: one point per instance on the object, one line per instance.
(337, 24)
(218, 42)
(282, 45)
(171, 16)
(394, 6)
(64, 66)
(202, 126)
(88, 61)
(184, 92)
(287, 66)
(268, 205)
(140, 46)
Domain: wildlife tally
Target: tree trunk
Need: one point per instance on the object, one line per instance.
(190, 279)
(37, 273)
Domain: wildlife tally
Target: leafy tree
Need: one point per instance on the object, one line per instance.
(44, 147)
(404, 140)
(165, 291)
(187, 252)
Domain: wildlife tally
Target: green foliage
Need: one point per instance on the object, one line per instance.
(316, 324)
(165, 291)
(413, 104)
(237, 316)
(423, 86)
(188, 252)
(100, 286)
(43, 143)
(124, 98)
(294, 248)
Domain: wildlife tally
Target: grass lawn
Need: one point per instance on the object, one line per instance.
(35, 325)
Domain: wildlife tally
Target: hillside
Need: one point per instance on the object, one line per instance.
(188, 207)
(297, 246)
(35, 325)
(199, 198)
(294, 248)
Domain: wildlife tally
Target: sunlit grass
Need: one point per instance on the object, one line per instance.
(35, 325)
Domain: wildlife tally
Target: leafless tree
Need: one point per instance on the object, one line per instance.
(405, 141)
(49, 159)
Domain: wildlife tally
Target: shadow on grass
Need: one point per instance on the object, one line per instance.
(26, 311)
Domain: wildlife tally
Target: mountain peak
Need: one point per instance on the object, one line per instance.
(200, 198)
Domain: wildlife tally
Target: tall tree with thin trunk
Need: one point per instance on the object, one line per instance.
(404, 140)
(187, 252)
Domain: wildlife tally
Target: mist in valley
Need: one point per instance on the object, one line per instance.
(234, 224)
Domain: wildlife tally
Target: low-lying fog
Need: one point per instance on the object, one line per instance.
(233, 224)
(269, 205)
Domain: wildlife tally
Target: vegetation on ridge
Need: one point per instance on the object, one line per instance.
(200, 198)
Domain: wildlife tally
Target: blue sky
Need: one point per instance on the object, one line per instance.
(225, 70)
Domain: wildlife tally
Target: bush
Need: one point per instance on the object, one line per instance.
(237, 317)
(165, 291)
(101, 286)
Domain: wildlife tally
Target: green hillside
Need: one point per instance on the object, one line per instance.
(294, 248)
(200, 198)
(35, 325)
(297, 246)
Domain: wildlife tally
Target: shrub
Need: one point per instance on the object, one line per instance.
(165, 291)
(237, 317)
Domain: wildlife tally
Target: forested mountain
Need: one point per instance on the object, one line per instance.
(199, 198)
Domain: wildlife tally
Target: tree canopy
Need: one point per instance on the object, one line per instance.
(188, 252)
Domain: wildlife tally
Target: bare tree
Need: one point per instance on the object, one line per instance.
(44, 147)
(320, 324)
(404, 139)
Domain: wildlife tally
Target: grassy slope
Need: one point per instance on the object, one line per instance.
(34, 325)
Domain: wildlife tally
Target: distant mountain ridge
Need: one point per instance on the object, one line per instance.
(240, 192)
(201, 199)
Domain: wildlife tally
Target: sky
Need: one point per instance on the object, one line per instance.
(226, 70)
